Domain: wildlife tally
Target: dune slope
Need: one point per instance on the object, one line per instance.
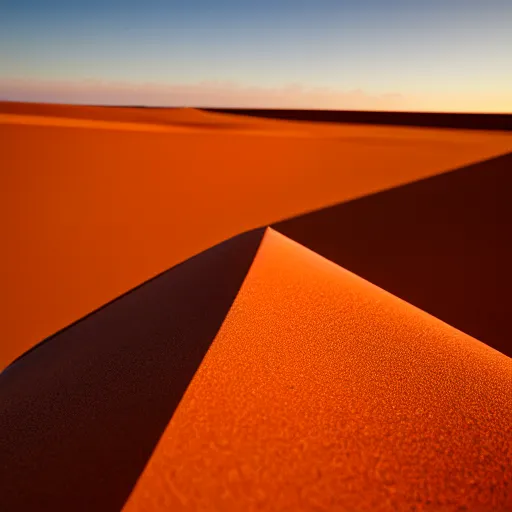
(442, 244)
(81, 413)
(323, 392)
(158, 116)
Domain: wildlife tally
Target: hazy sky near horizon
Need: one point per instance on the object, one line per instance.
(423, 55)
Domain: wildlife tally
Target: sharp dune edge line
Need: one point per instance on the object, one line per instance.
(314, 379)
(267, 230)
(133, 127)
(274, 232)
(90, 403)
(450, 120)
(427, 242)
(338, 364)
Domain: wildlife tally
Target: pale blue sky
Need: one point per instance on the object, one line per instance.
(431, 51)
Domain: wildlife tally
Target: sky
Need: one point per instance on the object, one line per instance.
(451, 55)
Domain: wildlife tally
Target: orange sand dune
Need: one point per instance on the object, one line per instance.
(324, 392)
(154, 127)
(158, 116)
(126, 114)
(441, 244)
(87, 214)
(90, 404)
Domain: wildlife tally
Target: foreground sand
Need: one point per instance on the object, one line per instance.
(92, 208)
(257, 376)
(324, 392)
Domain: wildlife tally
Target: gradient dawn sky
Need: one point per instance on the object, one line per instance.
(450, 55)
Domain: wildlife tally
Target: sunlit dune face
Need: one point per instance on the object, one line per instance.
(156, 116)
(324, 392)
(91, 210)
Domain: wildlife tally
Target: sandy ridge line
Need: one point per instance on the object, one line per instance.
(134, 127)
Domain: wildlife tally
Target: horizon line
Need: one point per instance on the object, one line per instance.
(263, 109)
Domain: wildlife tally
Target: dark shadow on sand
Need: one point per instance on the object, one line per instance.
(420, 119)
(443, 244)
(81, 413)
(114, 114)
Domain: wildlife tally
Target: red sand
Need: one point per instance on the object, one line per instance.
(89, 213)
(324, 392)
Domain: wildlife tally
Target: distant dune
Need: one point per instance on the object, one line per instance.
(465, 121)
(158, 116)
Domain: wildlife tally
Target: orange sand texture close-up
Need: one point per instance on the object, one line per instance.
(324, 392)
(163, 348)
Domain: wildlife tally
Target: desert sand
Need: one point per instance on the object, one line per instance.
(321, 391)
(90, 403)
(257, 375)
(93, 205)
(441, 243)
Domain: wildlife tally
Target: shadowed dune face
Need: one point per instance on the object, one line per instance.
(425, 119)
(324, 392)
(82, 412)
(87, 214)
(443, 244)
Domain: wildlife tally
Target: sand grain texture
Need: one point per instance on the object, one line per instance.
(323, 392)
(81, 413)
(442, 244)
